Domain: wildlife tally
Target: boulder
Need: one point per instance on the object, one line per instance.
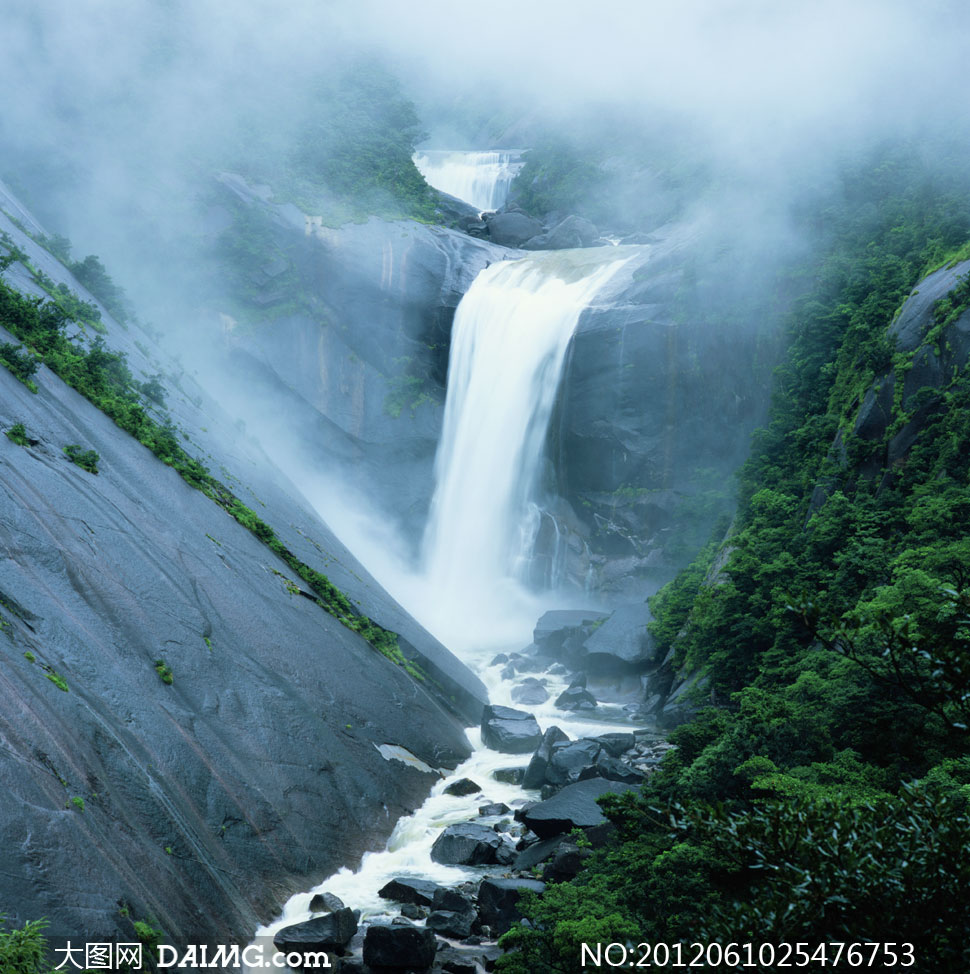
(511, 229)
(468, 844)
(399, 946)
(326, 903)
(509, 776)
(566, 862)
(538, 852)
(462, 787)
(568, 760)
(328, 933)
(451, 924)
(622, 642)
(455, 960)
(573, 807)
(508, 730)
(453, 901)
(535, 773)
(554, 626)
(406, 890)
(531, 692)
(574, 231)
(493, 808)
(576, 698)
(413, 912)
(498, 901)
(616, 743)
(612, 769)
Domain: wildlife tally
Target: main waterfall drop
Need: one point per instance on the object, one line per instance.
(508, 346)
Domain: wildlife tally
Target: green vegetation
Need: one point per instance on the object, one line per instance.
(18, 434)
(24, 950)
(164, 671)
(85, 459)
(103, 377)
(78, 802)
(56, 679)
(22, 365)
(827, 794)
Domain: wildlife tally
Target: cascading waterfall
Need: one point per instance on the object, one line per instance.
(508, 346)
(509, 342)
(480, 178)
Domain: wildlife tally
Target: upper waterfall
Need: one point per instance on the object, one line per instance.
(480, 178)
(508, 346)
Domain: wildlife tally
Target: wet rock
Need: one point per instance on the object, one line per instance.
(451, 924)
(537, 852)
(498, 659)
(456, 960)
(493, 808)
(530, 692)
(399, 947)
(453, 901)
(508, 730)
(568, 760)
(406, 890)
(616, 743)
(509, 776)
(574, 231)
(622, 643)
(555, 626)
(326, 903)
(328, 933)
(573, 807)
(535, 773)
(576, 698)
(566, 862)
(468, 844)
(413, 912)
(463, 786)
(613, 770)
(498, 901)
(511, 229)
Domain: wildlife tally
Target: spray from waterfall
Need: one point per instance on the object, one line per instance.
(509, 343)
(480, 178)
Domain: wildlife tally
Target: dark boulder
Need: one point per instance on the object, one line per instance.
(508, 730)
(498, 901)
(616, 743)
(576, 698)
(612, 769)
(451, 924)
(509, 776)
(406, 890)
(573, 807)
(530, 692)
(493, 808)
(329, 933)
(462, 787)
(399, 946)
(535, 773)
(566, 862)
(555, 626)
(622, 642)
(574, 231)
(468, 844)
(511, 229)
(538, 852)
(326, 903)
(568, 760)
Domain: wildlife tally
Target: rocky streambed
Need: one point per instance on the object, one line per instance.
(520, 813)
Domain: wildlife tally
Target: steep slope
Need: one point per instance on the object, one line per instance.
(187, 735)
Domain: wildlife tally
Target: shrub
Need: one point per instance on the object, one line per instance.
(86, 459)
(164, 671)
(18, 434)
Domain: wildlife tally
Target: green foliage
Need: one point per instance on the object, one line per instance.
(790, 811)
(18, 434)
(21, 364)
(556, 176)
(78, 802)
(24, 950)
(57, 679)
(148, 935)
(92, 274)
(358, 142)
(164, 671)
(85, 459)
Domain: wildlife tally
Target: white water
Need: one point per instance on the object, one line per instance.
(509, 342)
(480, 178)
(508, 345)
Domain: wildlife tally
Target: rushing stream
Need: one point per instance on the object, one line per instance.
(509, 342)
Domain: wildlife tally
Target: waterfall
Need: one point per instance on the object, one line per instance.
(508, 346)
(480, 178)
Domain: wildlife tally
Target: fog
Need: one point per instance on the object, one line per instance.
(116, 116)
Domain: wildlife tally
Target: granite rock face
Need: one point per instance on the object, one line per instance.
(202, 802)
